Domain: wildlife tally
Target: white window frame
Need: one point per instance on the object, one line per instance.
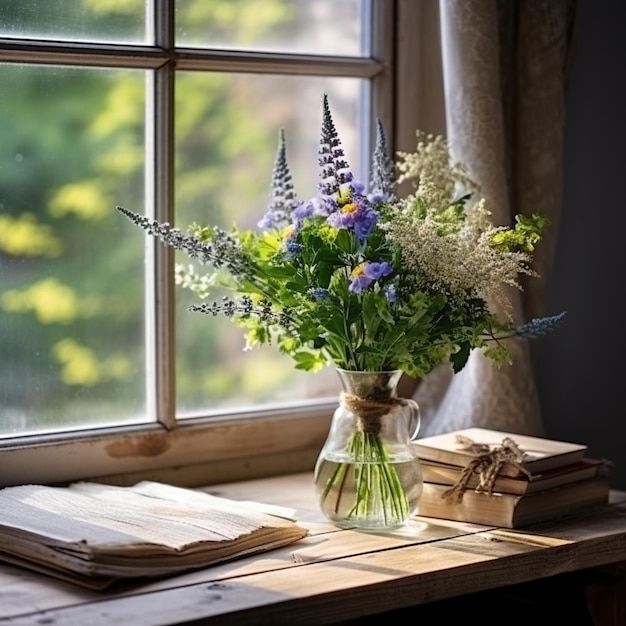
(260, 443)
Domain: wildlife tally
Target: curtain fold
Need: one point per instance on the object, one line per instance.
(504, 68)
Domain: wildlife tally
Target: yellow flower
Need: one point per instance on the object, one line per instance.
(358, 270)
(289, 231)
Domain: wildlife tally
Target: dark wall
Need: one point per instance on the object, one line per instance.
(582, 366)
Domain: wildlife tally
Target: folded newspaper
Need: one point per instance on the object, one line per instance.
(93, 534)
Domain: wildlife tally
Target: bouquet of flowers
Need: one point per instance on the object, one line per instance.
(361, 278)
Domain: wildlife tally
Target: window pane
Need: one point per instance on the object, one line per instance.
(304, 26)
(226, 139)
(79, 20)
(71, 331)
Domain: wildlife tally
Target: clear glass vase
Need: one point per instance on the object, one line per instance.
(367, 475)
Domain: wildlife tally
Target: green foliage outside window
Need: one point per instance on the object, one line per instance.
(71, 272)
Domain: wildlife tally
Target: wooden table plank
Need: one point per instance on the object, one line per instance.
(325, 543)
(331, 575)
(349, 587)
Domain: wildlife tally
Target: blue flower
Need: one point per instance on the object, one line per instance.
(357, 215)
(272, 219)
(364, 274)
(292, 249)
(378, 270)
(367, 220)
(390, 293)
(315, 207)
(378, 198)
(356, 188)
(318, 293)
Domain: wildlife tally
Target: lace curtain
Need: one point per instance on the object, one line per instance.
(505, 66)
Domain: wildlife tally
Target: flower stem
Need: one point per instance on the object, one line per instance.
(377, 487)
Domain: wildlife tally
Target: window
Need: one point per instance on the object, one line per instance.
(170, 108)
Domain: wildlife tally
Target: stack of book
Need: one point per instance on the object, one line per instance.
(548, 479)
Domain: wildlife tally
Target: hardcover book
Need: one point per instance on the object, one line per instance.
(539, 454)
(93, 534)
(445, 474)
(507, 510)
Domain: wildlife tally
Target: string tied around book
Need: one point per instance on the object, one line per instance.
(486, 465)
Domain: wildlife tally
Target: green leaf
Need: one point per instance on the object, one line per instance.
(309, 361)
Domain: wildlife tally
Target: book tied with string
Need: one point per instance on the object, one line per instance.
(93, 534)
(502, 479)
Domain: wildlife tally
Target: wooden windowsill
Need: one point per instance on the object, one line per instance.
(333, 576)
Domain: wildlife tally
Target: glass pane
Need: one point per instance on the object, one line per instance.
(329, 27)
(109, 21)
(71, 272)
(226, 145)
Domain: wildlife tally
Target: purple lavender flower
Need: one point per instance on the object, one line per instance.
(314, 207)
(334, 169)
(284, 200)
(356, 187)
(271, 219)
(381, 185)
(364, 274)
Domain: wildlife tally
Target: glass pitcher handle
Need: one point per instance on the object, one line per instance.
(415, 419)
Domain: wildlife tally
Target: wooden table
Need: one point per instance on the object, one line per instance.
(338, 576)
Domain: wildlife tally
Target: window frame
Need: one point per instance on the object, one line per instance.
(259, 443)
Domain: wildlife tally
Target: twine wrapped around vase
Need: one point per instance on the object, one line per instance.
(369, 410)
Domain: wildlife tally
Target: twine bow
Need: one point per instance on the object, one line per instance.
(486, 465)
